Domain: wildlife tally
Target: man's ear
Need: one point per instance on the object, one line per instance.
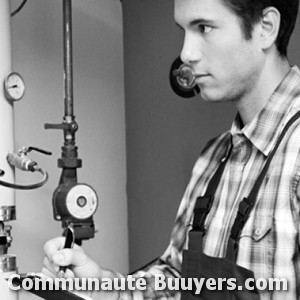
(270, 23)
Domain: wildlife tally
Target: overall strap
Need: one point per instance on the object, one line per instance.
(203, 205)
(247, 203)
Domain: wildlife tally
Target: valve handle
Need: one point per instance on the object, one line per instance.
(64, 126)
(30, 148)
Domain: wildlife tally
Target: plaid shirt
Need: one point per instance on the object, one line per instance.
(269, 243)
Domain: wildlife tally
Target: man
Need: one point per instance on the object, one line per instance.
(237, 49)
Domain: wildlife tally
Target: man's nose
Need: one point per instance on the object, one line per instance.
(190, 52)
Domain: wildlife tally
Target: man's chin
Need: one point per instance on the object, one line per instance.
(209, 97)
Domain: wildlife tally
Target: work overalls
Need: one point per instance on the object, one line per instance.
(196, 264)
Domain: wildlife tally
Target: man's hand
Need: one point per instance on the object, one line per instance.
(78, 263)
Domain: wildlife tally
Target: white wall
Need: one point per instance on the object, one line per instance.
(99, 110)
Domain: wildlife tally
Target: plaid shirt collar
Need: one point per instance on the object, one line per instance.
(264, 129)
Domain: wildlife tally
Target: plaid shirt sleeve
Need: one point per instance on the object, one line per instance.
(159, 267)
(151, 292)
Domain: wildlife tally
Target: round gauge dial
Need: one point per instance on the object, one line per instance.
(14, 86)
(81, 201)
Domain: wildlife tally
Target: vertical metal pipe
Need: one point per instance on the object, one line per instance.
(68, 63)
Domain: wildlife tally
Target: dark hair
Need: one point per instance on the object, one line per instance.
(250, 12)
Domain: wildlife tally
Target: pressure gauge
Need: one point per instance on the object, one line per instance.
(14, 86)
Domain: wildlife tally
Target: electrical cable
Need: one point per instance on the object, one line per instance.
(29, 186)
(18, 9)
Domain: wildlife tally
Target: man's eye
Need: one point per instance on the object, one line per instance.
(204, 28)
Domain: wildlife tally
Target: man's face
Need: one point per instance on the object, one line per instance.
(227, 67)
